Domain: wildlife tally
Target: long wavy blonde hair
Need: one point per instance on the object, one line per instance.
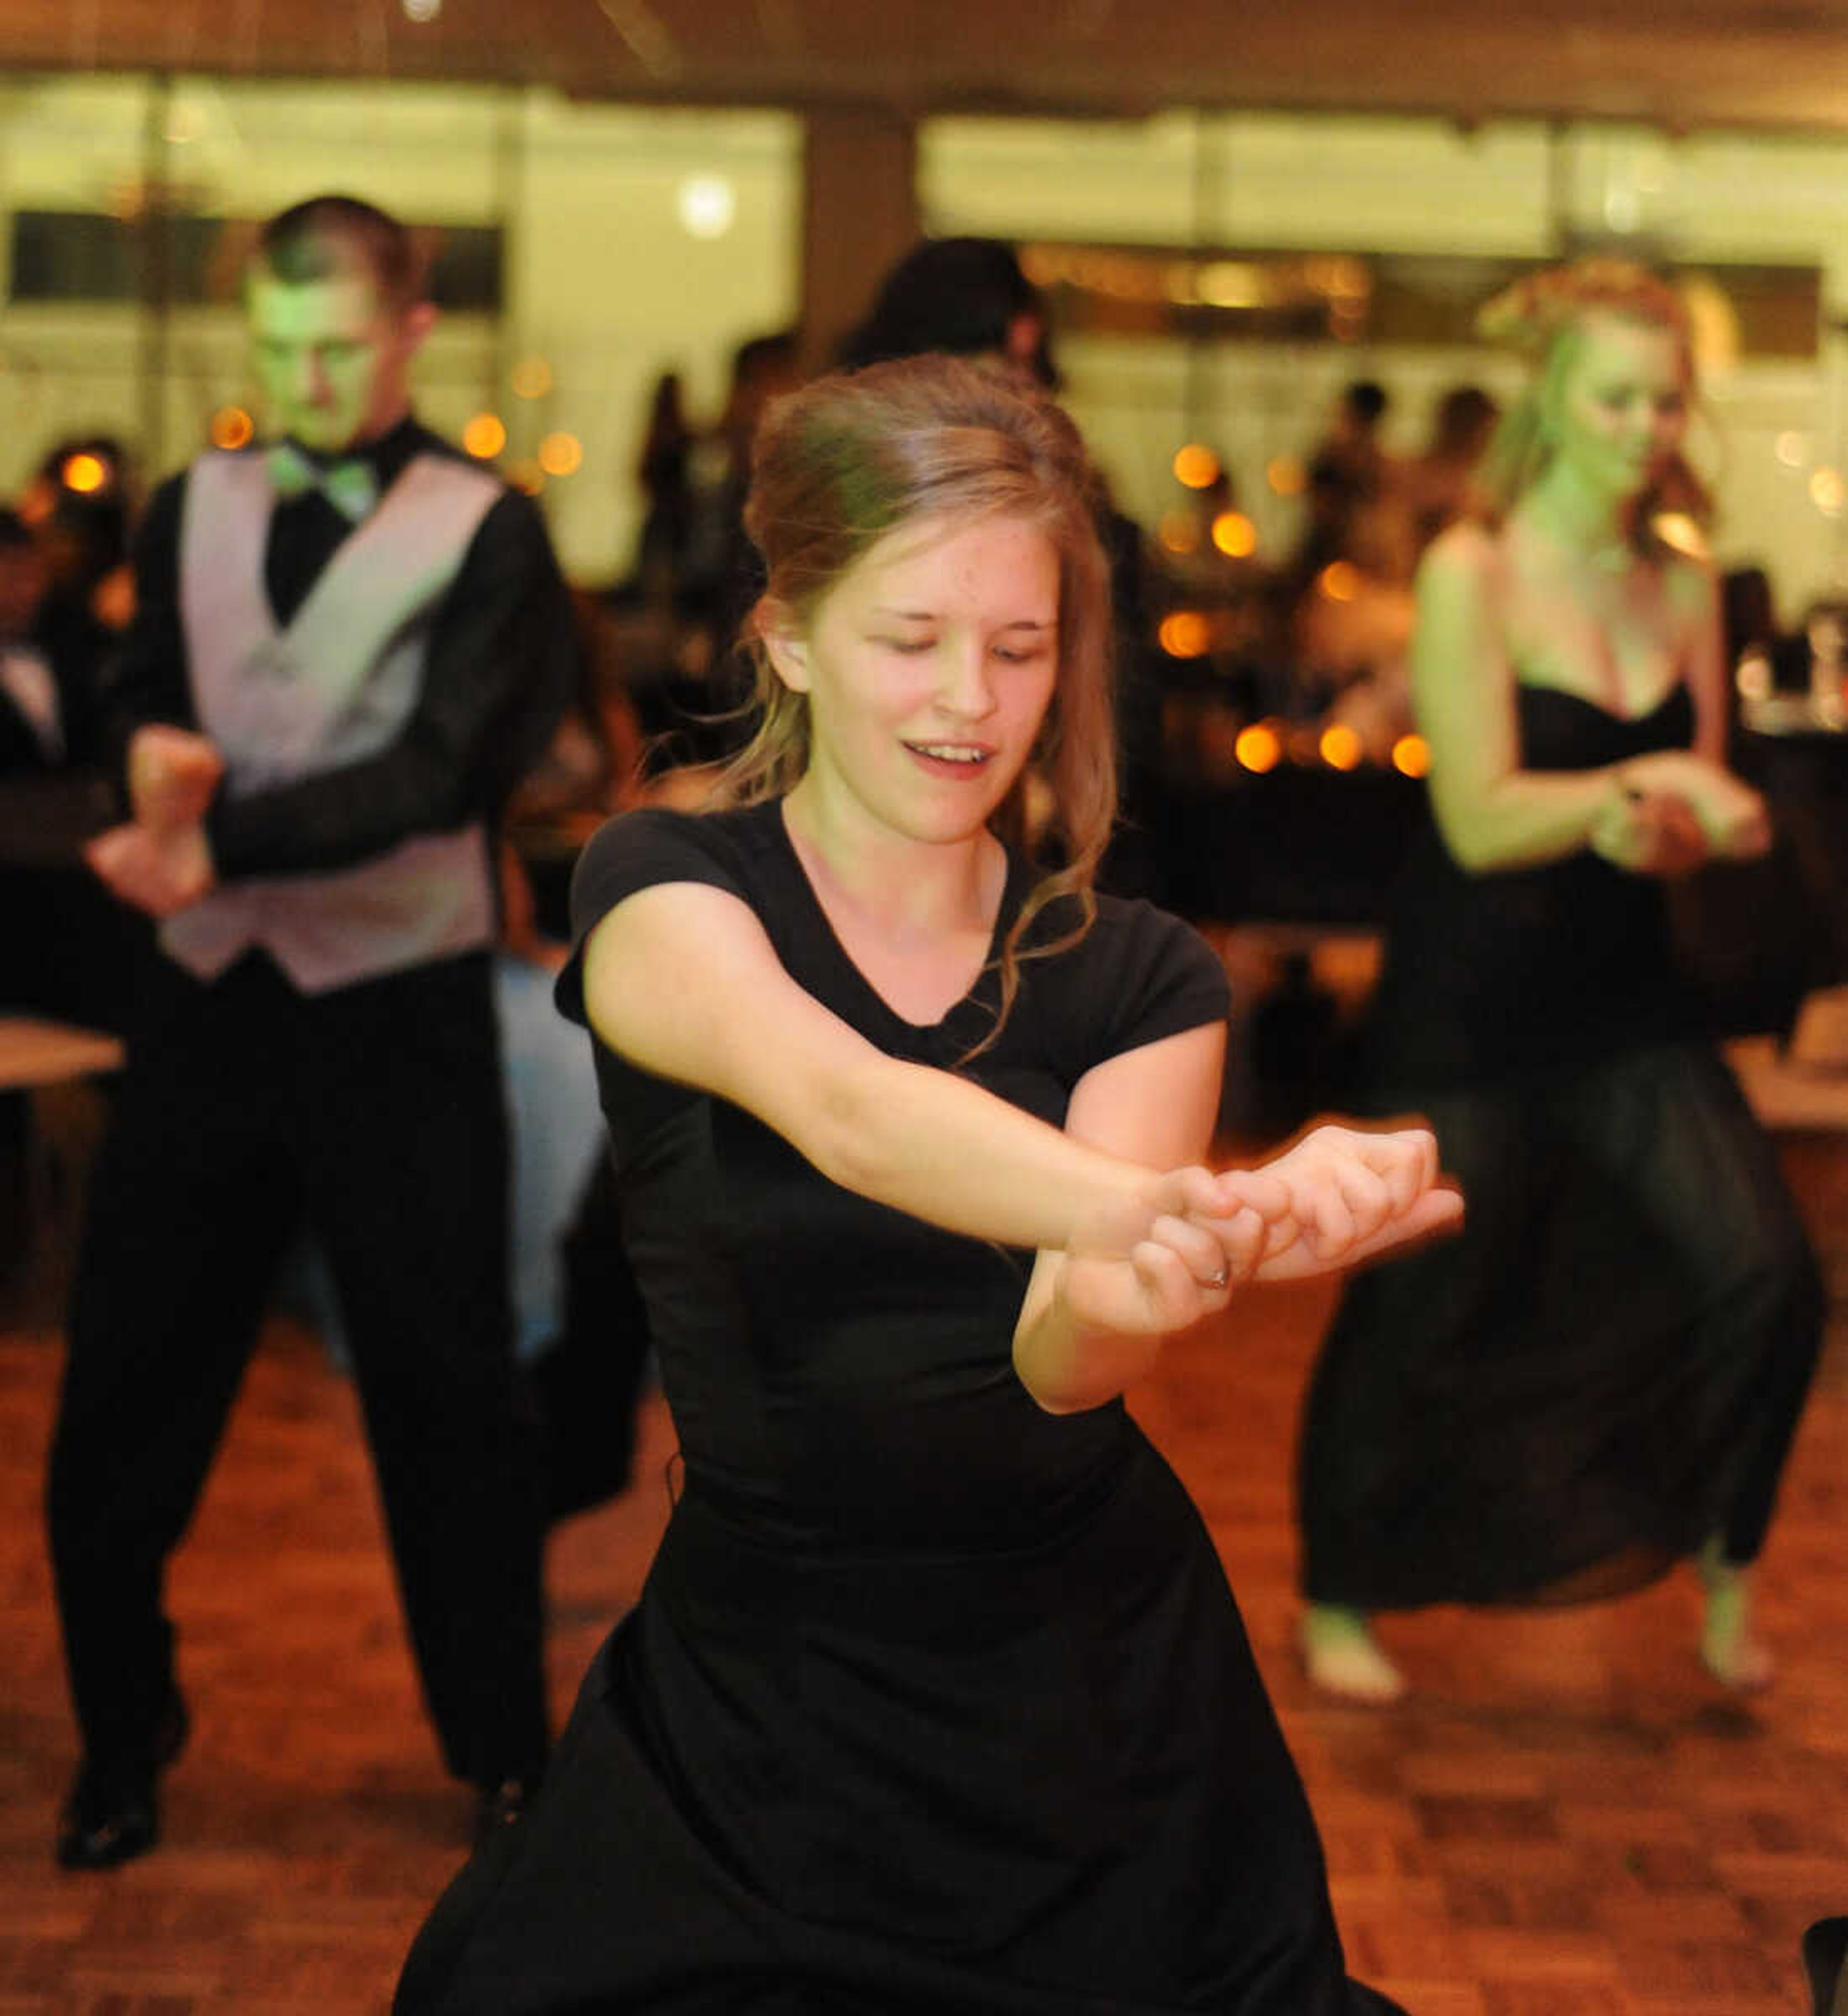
(856, 455)
(1544, 316)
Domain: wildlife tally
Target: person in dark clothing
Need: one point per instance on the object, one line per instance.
(347, 647)
(66, 940)
(936, 1698)
(49, 700)
(1601, 1377)
(665, 474)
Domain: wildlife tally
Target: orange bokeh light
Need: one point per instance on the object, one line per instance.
(561, 455)
(1186, 634)
(1234, 535)
(484, 436)
(531, 378)
(232, 427)
(1196, 466)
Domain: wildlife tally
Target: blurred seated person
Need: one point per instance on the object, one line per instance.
(66, 939)
(82, 504)
(48, 695)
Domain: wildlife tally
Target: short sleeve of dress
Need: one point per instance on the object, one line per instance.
(1170, 980)
(635, 851)
(1136, 976)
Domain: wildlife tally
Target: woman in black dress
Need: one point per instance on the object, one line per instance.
(936, 1700)
(1602, 1376)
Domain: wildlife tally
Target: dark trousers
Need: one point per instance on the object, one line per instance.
(375, 1109)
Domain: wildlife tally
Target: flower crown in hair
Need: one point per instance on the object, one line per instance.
(1527, 315)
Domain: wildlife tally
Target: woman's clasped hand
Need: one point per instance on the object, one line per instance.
(1179, 1247)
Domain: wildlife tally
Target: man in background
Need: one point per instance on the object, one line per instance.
(347, 647)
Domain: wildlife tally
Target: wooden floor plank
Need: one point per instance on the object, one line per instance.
(1568, 1818)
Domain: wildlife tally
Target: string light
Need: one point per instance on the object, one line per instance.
(84, 474)
(1186, 634)
(1257, 748)
(1341, 747)
(1196, 466)
(531, 378)
(1411, 756)
(561, 455)
(1235, 535)
(484, 436)
(232, 427)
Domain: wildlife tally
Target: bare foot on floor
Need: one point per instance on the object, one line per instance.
(1731, 1649)
(1343, 1659)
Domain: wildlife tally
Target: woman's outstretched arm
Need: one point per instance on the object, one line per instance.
(681, 979)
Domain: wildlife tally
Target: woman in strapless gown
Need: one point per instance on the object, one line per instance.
(1602, 1376)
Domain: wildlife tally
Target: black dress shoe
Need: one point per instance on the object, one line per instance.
(111, 1815)
(104, 1824)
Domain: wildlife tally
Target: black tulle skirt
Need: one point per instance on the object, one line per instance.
(1603, 1370)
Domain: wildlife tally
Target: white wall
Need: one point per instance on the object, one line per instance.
(606, 284)
(1418, 187)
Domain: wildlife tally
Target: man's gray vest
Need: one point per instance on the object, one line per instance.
(335, 686)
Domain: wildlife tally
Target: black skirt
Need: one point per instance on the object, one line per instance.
(1035, 1782)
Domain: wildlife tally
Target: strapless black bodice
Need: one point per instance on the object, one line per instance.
(1525, 969)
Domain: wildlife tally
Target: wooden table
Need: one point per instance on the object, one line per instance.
(34, 1053)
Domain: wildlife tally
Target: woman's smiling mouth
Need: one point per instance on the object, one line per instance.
(964, 756)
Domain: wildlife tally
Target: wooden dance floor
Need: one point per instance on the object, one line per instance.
(1568, 1818)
